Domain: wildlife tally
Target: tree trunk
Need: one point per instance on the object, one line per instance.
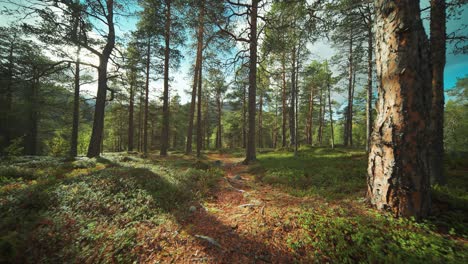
(283, 100)
(218, 131)
(199, 109)
(244, 117)
(188, 148)
(331, 115)
(320, 128)
(292, 106)
(350, 119)
(370, 52)
(76, 108)
(347, 129)
(398, 173)
(309, 117)
(94, 148)
(145, 122)
(260, 120)
(165, 123)
(250, 151)
(438, 40)
(7, 114)
(130, 115)
(31, 147)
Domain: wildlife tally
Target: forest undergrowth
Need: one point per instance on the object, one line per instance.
(310, 208)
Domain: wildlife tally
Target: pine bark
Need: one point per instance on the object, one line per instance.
(309, 117)
(165, 122)
(438, 40)
(251, 146)
(398, 168)
(199, 110)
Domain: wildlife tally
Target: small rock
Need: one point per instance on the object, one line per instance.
(237, 177)
(192, 209)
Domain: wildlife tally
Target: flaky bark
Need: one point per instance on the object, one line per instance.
(398, 173)
(438, 39)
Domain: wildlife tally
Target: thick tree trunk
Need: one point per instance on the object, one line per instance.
(76, 108)
(398, 169)
(165, 122)
(438, 40)
(96, 140)
(145, 122)
(283, 100)
(251, 151)
(201, 15)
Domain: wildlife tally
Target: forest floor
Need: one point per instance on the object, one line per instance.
(282, 209)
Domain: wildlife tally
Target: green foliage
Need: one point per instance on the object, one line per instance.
(333, 174)
(89, 210)
(338, 235)
(16, 147)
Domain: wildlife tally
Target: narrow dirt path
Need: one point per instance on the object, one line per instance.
(244, 222)
(248, 222)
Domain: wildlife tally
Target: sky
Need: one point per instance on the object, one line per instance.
(456, 65)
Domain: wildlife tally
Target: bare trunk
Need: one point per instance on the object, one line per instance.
(94, 148)
(130, 116)
(370, 51)
(165, 122)
(251, 151)
(292, 106)
(145, 125)
(260, 121)
(438, 40)
(331, 115)
(188, 148)
(76, 108)
(283, 100)
(244, 117)
(348, 130)
(320, 128)
(199, 110)
(309, 117)
(398, 169)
